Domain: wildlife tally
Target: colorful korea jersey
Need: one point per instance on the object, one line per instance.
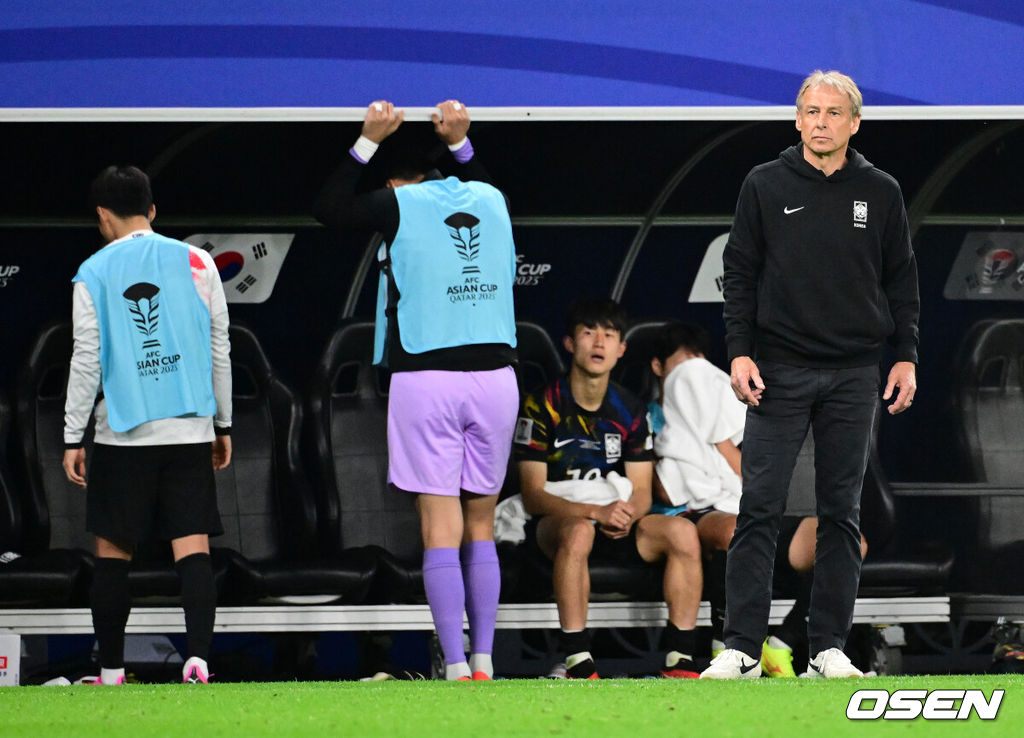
(579, 444)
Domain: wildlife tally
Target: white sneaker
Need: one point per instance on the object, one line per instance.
(195, 671)
(732, 664)
(831, 664)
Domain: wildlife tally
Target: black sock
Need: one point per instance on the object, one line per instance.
(111, 604)
(793, 630)
(683, 641)
(571, 643)
(714, 585)
(199, 599)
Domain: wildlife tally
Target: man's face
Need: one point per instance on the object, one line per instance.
(825, 122)
(595, 351)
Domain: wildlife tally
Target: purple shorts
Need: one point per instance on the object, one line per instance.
(450, 431)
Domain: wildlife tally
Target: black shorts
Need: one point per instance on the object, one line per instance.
(140, 493)
(616, 550)
(694, 516)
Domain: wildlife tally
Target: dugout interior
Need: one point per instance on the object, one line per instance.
(602, 207)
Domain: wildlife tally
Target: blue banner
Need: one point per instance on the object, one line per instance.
(320, 54)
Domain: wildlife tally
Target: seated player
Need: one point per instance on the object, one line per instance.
(574, 433)
(698, 425)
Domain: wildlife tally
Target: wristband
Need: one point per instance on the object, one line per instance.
(462, 151)
(363, 149)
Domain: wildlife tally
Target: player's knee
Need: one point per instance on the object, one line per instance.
(576, 536)
(675, 536)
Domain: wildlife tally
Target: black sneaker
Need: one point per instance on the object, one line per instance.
(585, 669)
(678, 666)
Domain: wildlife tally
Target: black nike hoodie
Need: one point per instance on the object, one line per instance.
(819, 271)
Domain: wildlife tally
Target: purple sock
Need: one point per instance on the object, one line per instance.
(482, 578)
(442, 579)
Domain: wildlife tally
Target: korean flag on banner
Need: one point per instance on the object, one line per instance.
(248, 262)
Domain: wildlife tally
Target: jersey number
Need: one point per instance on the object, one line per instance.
(590, 476)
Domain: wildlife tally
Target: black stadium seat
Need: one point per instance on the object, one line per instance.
(633, 370)
(268, 520)
(990, 402)
(38, 578)
(10, 507)
(540, 358)
(893, 567)
(267, 505)
(896, 566)
(53, 509)
(348, 438)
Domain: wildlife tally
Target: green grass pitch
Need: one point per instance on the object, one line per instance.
(636, 708)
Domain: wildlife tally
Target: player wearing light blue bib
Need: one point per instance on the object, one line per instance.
(445, 328)
(151, 363)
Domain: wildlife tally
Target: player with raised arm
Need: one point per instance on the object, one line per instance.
(446, 330)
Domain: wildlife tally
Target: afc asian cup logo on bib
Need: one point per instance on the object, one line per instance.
(143, 303)
(464, 230)
(612, 446)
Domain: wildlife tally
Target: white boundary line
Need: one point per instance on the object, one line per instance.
(510, 114)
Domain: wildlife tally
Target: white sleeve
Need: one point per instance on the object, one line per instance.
(213, 291)
(84, 375)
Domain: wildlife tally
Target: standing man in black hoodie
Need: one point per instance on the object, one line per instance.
(819, 272)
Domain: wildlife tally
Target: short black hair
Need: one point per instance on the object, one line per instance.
(409, 154)
(406, 163)
(677, 335)
(594, 312)
(123, 190)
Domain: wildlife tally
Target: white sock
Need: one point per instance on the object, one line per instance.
(774, 642)
(454, 671)
(110, 676)
(481, 662)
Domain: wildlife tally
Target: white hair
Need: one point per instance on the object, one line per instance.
(835, 80)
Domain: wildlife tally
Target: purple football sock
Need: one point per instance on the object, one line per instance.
(482, 577)
(442, 579)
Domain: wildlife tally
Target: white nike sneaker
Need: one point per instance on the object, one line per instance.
(831, 664)
(732, 664)
(195, 671)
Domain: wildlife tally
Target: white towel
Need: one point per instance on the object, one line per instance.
(510, 515)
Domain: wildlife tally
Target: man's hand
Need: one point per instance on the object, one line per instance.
(381, 120)
(453, 123)
(615, 519)
(903, 375)
(744, 371)
(74, 466)
(221, 452)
